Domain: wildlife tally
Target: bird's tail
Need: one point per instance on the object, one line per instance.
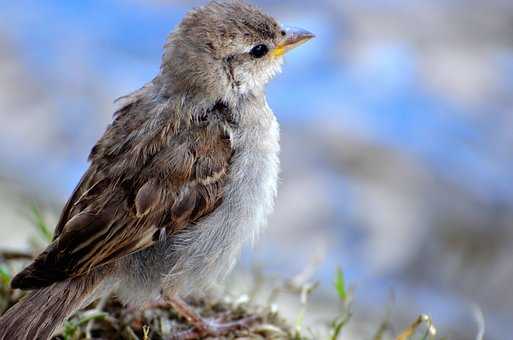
(42, 311)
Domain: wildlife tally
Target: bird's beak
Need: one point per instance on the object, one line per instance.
(293, 38)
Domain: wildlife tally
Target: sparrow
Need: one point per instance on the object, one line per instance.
(184, 175)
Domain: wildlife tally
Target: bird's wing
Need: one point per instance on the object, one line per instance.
(137, 186)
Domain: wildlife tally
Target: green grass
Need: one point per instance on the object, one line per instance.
(39, 222)
(338, 324)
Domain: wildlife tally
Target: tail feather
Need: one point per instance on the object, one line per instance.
(41, 312)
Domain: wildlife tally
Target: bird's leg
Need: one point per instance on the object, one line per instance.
(190, 315)
(204, 327)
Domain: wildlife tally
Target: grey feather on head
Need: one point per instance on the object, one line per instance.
(221, 51)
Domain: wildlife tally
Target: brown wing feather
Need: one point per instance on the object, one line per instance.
(138, 183)
(82, 186)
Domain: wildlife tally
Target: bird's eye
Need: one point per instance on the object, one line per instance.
(259, 51)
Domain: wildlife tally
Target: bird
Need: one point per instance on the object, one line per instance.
(181, 179)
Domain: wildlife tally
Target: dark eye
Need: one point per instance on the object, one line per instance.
(259, 51)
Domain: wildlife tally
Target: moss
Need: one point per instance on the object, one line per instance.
(160, 322)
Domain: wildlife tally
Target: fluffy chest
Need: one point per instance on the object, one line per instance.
(207, 252)
(253, 177)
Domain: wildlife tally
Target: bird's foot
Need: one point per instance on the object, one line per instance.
(203, 327)
(214, 328)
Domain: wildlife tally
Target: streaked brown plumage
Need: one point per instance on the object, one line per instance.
(143, 177)
(185, 174)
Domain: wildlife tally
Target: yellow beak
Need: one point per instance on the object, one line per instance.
(293, 38)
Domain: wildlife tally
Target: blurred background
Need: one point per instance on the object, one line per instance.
(397, 132)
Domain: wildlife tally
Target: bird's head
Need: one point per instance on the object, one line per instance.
(227, 49)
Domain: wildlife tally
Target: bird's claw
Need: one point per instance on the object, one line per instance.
(214, 328)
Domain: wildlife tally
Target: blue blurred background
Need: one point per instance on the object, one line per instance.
(397, 130)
